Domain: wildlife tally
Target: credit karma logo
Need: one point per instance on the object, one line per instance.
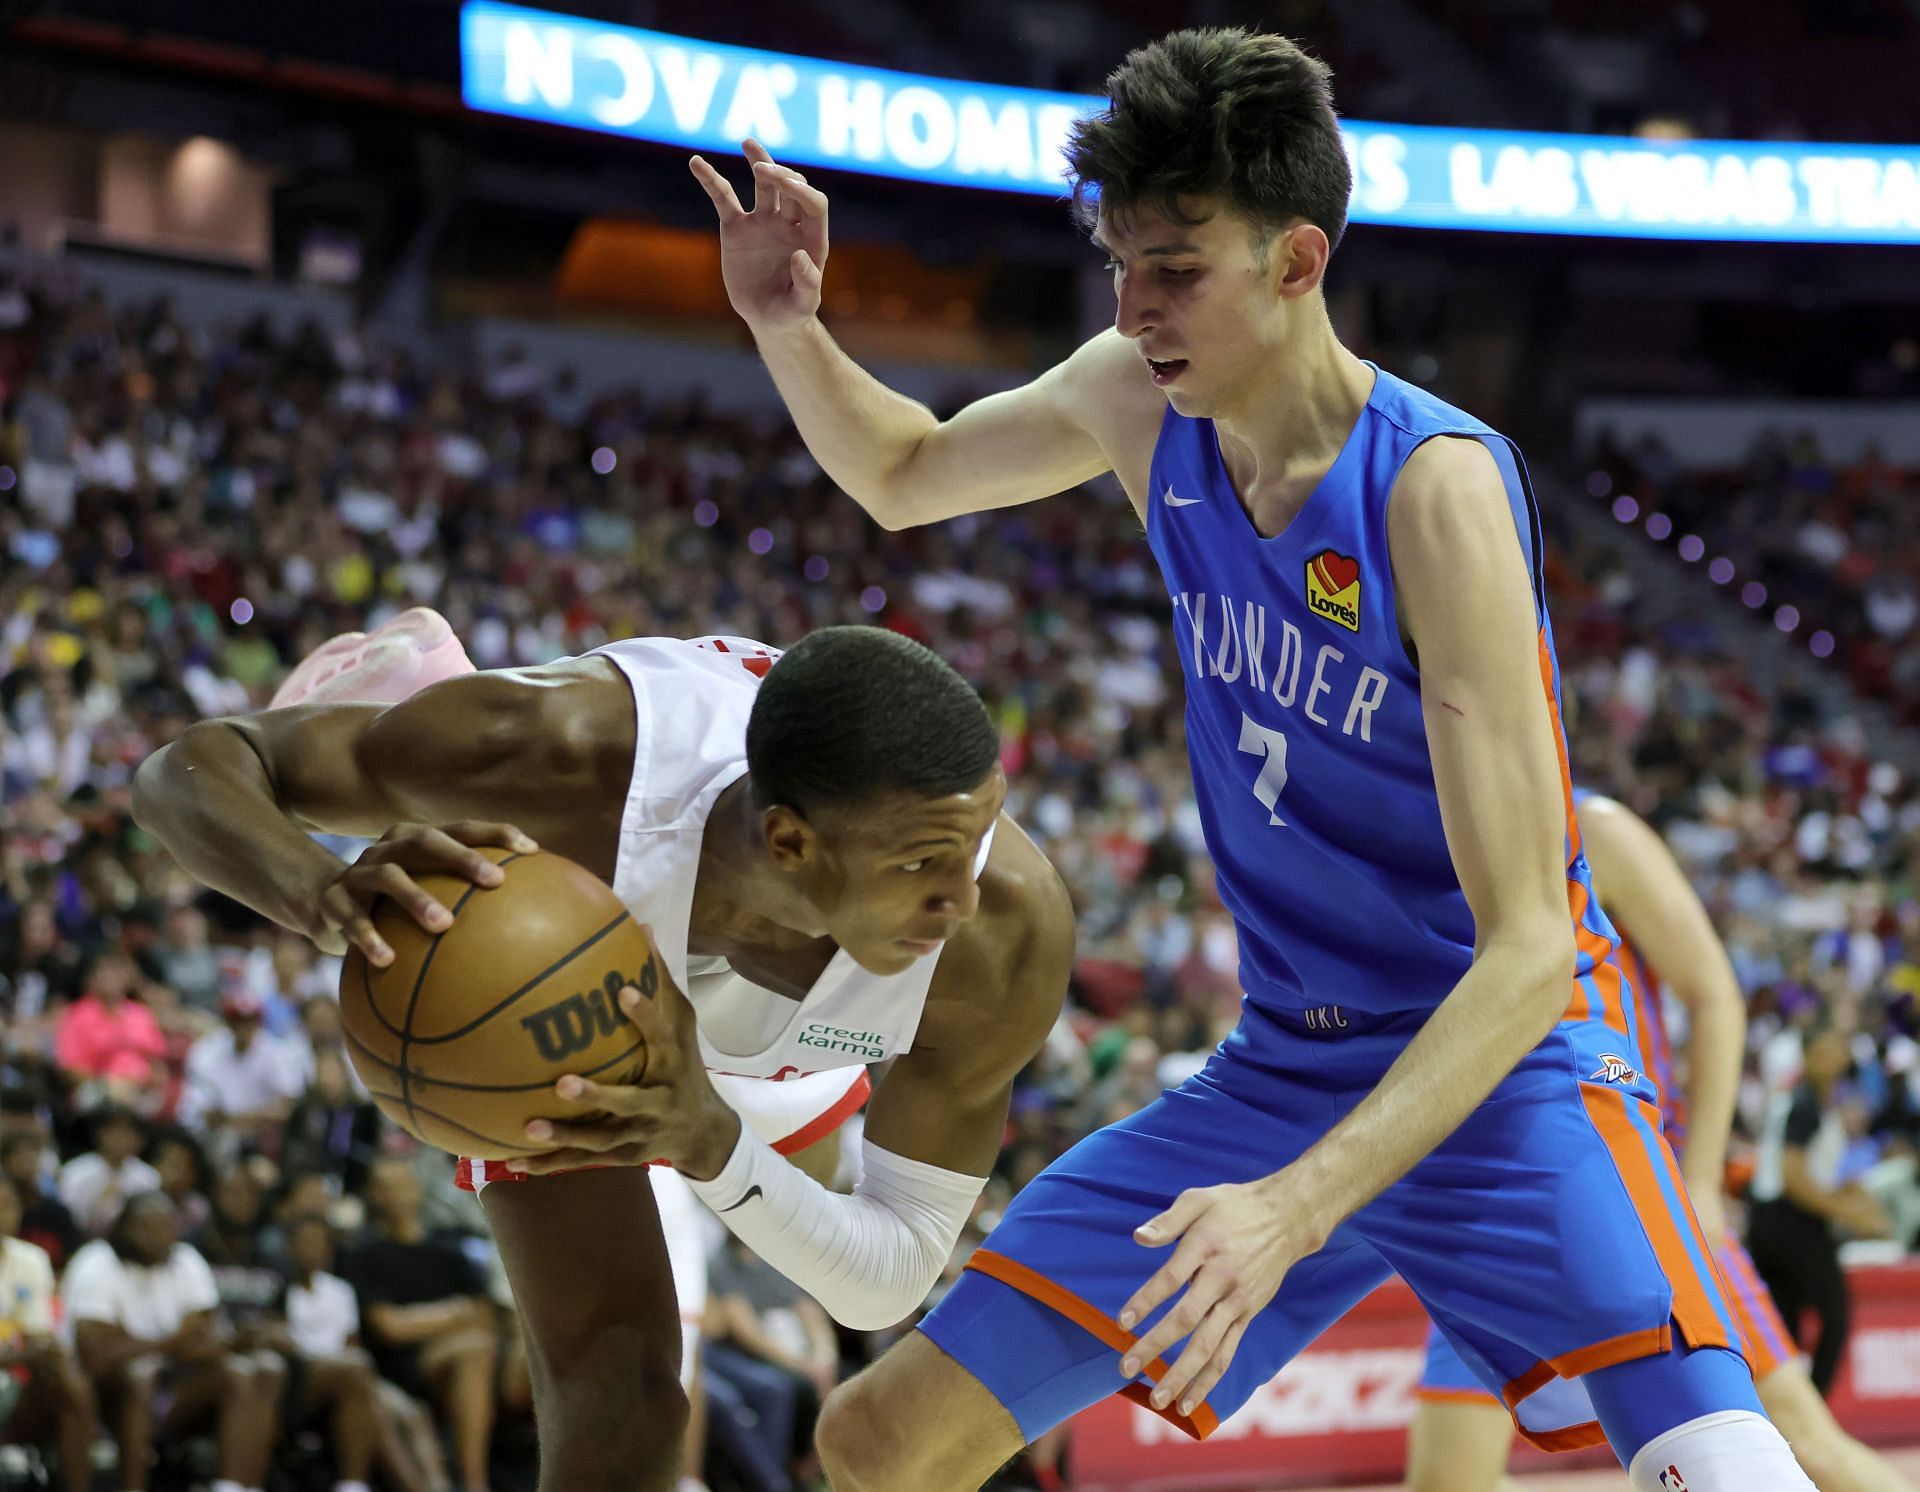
(675, 90)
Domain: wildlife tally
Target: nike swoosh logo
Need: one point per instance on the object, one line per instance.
(1171, 501)
(752, 1192)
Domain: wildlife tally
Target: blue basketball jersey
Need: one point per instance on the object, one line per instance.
(1304, 726)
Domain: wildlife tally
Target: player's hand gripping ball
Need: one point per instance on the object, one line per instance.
(461, 1038)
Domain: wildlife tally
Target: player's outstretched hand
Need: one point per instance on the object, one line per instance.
(1236, 1244)
(668, 1111)
(771, 258)
(342, 913)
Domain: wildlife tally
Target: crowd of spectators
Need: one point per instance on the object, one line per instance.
(186, 510)
(1839, 541)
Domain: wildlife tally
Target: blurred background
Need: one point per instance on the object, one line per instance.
(305, 319)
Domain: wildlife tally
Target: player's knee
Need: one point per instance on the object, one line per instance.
(862, 1447)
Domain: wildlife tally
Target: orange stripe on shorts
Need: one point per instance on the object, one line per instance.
(1693, 1309)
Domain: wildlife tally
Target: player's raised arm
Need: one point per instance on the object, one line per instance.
(1647, 894)
(489, 756)
(889, 452)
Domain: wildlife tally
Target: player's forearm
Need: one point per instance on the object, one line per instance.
(860, 431)
(1505, 1005)
(1715, 1047)
(208, 800)
(868, 1258)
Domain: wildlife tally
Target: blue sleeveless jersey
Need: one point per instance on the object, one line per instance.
(1309, 752)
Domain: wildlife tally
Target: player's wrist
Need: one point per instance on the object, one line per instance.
(1301, 1194)
(774, 335)
(719, 1139)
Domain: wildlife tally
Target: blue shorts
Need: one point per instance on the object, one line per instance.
(1765, 1341)
(1549, 1235)
(1446, 1376)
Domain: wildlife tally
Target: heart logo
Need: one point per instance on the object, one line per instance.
(1337, 571)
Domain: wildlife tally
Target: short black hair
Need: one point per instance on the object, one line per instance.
(111, 1113)
(130, 1210)
(1216, 111)
(850, 713)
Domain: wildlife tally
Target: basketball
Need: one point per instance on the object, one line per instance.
(461, 1038)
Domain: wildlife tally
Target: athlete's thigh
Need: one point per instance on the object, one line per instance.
(584, 1254)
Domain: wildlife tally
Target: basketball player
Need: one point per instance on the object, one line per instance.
(817, 845)
(1461, 1433)
(1420, 1080)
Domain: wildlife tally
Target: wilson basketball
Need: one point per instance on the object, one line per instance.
(462, 1037)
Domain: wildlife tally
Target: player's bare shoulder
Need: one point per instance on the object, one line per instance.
(1004, 974)
(1113, 396)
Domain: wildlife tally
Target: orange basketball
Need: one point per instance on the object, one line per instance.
(461, 1038)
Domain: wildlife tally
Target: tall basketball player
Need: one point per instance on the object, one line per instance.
(1427, 1076)
(1461, 1433)
(817, 845)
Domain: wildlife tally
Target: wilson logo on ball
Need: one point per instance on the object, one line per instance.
(576, 1022)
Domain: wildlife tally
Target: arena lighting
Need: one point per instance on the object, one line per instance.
(699, 95)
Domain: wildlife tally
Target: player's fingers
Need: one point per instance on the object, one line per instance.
(1216, 1367)
(553, 1162)
(346, 919)
(809, 199)
(599, 1136)
(1157, 1232)
(1187, 1313)
(667, 1027)
(625, 1099)
(550, 1162)
(372, 882)
(804, 271)
(479, 832)
(769, 192)
(754, 151)
(1206, 1335)
(420, 847)
(1165, 1282)
(718, 189)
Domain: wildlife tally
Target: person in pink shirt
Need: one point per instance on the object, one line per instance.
(109, 1038)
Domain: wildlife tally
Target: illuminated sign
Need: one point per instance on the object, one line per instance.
(704, 96)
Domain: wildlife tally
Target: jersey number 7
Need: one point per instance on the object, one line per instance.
(1271, 746)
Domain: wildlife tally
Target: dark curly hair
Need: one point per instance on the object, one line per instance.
(1216, 112)
(852, 712)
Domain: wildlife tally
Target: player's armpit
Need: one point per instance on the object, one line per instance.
(1468, 602)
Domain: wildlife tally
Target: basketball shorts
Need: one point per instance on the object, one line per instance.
(789, 1115)
(1764, 1338)
(1549, 1235)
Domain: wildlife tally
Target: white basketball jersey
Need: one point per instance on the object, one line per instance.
(691, 702)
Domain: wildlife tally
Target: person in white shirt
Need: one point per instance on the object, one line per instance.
(96, 1185)
(55, 1406)
(142, 1305)
(319, 1328)
(239, 1077)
